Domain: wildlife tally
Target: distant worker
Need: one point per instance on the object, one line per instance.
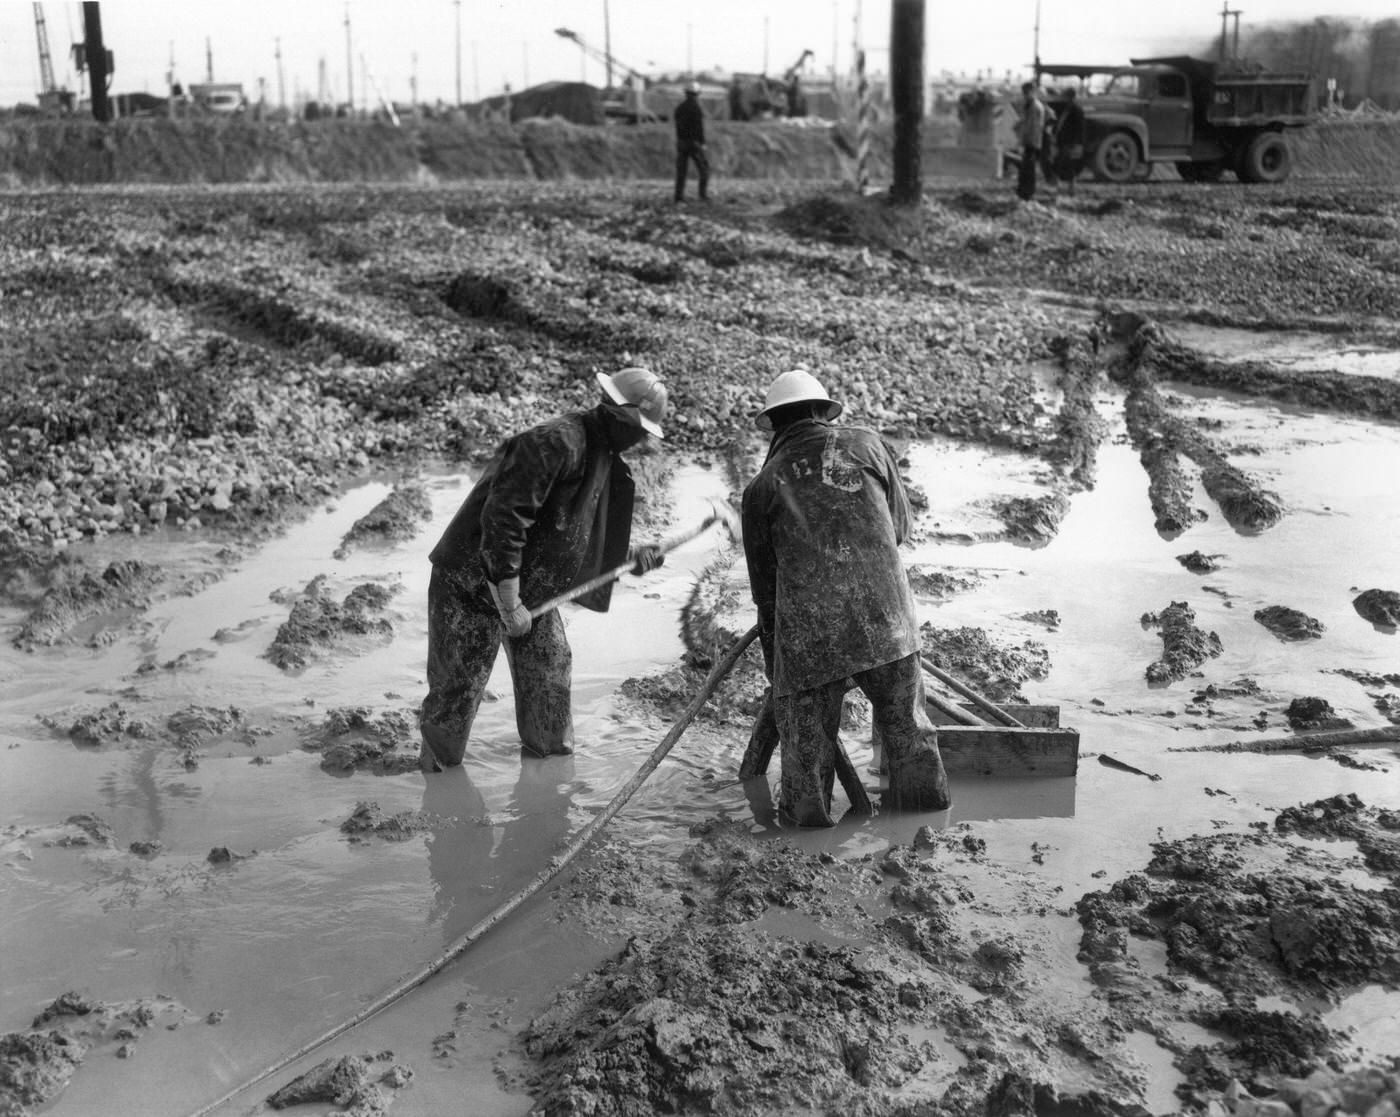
(822, 524)
(1069, 138)
(737, 109)
(690, 143)
(552, 509)
(1030, 130)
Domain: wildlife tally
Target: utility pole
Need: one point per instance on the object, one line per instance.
(413, 84)
(1225, 14)
(907, 96)
(208, 59)
(99, 63)
(525, 60)
(458, 5)
(1035, 46)
(281, 80)
(349, 64)
(689, 50)
(765, 45)
(607, 44)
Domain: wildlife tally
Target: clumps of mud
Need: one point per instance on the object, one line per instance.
(37, 1065)
(354, 738)
(995, 671)
(1163, 437)
(1031, 520)
(318, 622)
(352, 1082)
(1380, 607)
(943, 582)
(1199, 563)
(99, 727)
(189, 729)
(395, 519)
(1256, 916)
(1184, 646)
(125, 585)
(1314, 713)
(1079, 428)
(370, 820)
(1289, 624)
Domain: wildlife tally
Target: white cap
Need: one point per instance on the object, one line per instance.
(795, 386)
(640, 388)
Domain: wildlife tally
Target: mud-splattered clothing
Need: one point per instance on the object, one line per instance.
(823, 522)
(553, 507)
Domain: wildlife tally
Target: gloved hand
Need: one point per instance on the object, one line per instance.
(644, 557)
(514, 615)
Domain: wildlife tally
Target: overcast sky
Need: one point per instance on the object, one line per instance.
(514, 42)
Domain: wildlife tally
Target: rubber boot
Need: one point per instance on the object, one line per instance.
(440, 749)
(917, 779)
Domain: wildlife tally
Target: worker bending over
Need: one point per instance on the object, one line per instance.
(822, 523)
(552, 509)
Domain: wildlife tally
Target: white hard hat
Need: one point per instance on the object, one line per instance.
(796, 386)
(692, 87)
(640, 388)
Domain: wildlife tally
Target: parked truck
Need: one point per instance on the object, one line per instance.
(1202, 117)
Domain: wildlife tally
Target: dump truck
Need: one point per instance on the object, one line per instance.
(1204, 118)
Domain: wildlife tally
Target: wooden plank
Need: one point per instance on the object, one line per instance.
(995, 750)
(1032, 716)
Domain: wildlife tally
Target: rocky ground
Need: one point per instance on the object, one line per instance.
(217, 362)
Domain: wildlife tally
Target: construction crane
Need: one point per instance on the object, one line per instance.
(608, 60)
(51, 98)
(626, 105)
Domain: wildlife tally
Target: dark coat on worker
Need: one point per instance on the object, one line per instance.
(690, 121)
(822, 522)
(553, 506)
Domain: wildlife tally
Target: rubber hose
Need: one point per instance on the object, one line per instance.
(717, 674)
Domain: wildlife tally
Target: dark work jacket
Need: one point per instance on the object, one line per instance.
(1070, 130)
(554, 506)
(690, 122)
(823, 522)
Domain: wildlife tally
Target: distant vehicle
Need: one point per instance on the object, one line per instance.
(1201, 117)
(221, 98)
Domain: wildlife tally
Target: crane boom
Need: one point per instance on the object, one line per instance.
(41, 32)
(598, 55)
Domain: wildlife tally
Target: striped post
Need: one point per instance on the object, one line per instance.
(862, 125)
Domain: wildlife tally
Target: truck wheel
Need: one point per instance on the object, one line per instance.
(1268, 158)
(1116, 158)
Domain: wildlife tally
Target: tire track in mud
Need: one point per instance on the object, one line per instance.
(1162, 438)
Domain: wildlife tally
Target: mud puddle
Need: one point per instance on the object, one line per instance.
(1300, 352)
(302, 926)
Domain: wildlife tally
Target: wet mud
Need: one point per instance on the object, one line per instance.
(994, 669)
(127, 585)
(1289, 624)
(36, 1065)
(360, 1086)
(1380, 607)
(398, 517)
(318, 622)
(1185, 646)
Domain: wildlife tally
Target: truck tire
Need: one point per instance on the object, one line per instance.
(1116, 158)
(1268, 158)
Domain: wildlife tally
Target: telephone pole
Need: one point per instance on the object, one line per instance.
(458, 5)
(907, 95)
(349, 64)
(99, 65)
(281, 80)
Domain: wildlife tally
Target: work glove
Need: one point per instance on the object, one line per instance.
(514, 615)
(645, 557)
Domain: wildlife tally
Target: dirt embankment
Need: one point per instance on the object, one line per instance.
(82, 152)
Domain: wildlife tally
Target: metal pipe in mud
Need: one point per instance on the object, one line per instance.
(556, 865)
(983, 704)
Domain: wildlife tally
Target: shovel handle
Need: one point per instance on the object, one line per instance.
(1000, 716)
(666, 546)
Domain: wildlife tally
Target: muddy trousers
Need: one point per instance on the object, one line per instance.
(684, 154)
(464, 634)
(1025, 173)
(808, 724)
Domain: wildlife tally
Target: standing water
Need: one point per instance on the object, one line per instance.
(304, 926)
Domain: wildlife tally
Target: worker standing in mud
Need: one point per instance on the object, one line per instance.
(690, 143)
(1069, 140)
(552, 509)
(1030, 130)
(822, 524)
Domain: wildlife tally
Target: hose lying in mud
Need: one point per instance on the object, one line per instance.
(723, 665)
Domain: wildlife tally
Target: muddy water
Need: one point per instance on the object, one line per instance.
(309, 926)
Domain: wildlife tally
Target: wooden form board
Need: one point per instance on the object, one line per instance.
(995, 750)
